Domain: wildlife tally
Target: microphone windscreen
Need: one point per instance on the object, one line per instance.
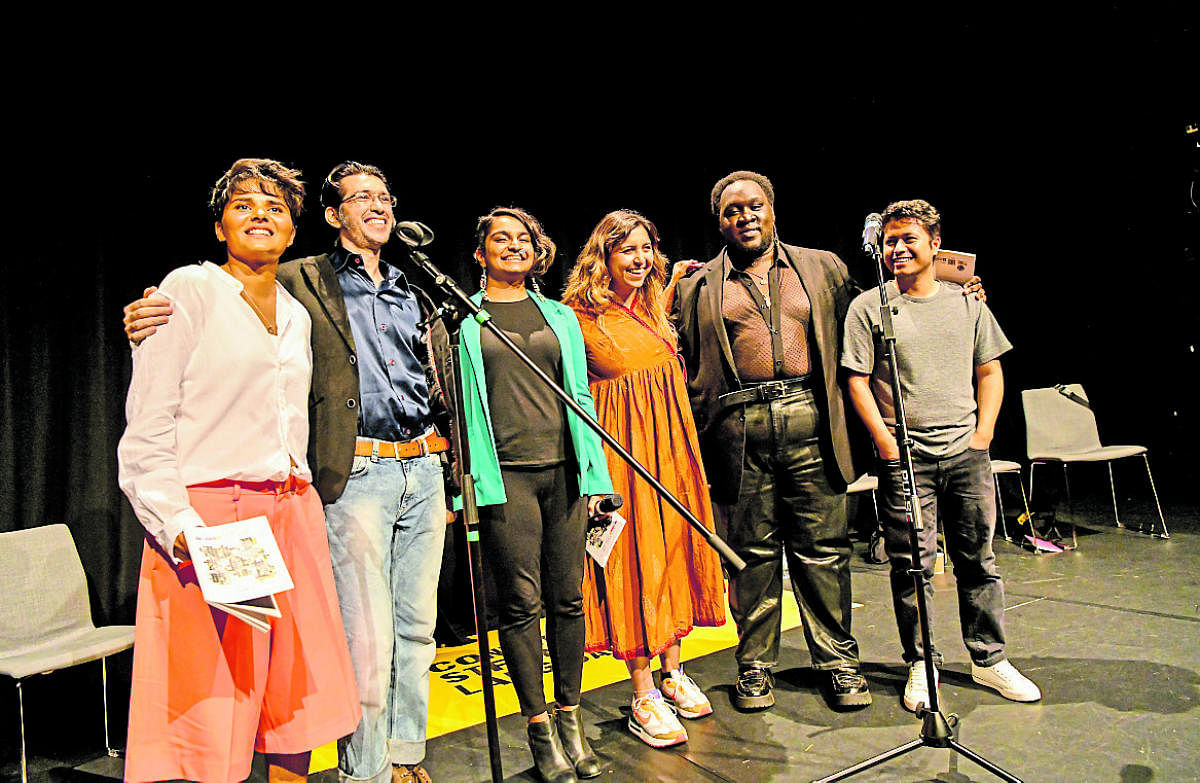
(610, 503)
(413, 234)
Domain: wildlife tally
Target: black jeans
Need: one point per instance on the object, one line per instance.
(787, 506)
(533, 546)
(961, 490)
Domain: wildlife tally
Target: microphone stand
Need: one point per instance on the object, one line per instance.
(937, 730)
(454, 310)
(451, 318)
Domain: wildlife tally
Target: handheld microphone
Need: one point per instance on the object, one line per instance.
(413, 234)
(872, 228)
(609, 504)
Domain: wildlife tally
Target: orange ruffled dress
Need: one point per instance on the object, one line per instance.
(662, 577)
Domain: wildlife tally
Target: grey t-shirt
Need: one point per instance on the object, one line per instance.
(940, 340)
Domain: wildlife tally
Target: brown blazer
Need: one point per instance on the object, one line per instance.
(711, 371)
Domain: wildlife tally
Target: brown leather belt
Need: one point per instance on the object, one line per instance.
(402, 449)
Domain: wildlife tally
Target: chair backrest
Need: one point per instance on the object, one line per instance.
(1056, 424)
(43, 590)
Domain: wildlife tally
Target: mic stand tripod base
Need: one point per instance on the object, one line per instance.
(936, 732)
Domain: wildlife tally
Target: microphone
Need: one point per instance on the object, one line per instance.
(413, 234)
(872, 228)
(609, 504)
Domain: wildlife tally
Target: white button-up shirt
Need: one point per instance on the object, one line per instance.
(213, 396)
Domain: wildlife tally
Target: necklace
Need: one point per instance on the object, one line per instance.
(763, 285)
(271, 329)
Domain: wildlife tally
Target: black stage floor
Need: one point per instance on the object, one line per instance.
(1111, 633)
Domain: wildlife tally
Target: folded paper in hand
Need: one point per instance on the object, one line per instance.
(239, 568)
(602, 535)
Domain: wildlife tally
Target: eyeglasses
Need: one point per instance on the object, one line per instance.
(364, 198)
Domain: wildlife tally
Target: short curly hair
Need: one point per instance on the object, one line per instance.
(737, 176)
(917, 210)
(543, 247)
(271, 176)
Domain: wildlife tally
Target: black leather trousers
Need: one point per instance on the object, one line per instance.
(786, 506)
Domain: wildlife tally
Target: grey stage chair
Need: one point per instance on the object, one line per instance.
(1001, 467)
(868, 483)
(1060, 427)
(45, 615)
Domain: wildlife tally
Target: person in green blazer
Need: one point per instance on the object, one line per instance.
(538, 472)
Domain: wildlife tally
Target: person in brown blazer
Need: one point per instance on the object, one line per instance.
(760, 327)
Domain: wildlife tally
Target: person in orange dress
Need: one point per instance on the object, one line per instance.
(662, 577)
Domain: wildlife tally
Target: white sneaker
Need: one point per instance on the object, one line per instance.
(1007, 681)
(916, 690)
(683, 692)
(654, 722)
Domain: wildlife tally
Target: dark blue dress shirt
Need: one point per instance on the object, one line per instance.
(393, 391)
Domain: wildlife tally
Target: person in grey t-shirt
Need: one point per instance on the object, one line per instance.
(944, 341)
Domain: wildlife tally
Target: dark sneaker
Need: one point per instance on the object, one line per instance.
(753, 690)
(848, 688)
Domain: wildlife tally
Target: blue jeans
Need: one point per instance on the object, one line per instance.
(385, 537)
(959, 491)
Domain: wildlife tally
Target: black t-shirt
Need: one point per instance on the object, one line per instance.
(528, 420)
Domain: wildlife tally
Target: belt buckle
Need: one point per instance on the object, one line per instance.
(772, 390)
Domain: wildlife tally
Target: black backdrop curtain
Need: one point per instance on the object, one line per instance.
(1081, 227)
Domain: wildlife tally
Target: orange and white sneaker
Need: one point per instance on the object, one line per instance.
(682, 691)
(654, 722)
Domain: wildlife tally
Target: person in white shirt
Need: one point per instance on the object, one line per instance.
(217, 431)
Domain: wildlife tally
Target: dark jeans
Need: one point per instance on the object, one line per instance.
(787, 506)
(533, 545)
(961, 491)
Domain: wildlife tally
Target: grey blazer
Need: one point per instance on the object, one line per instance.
(711, 371)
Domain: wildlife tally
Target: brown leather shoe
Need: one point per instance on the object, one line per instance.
(410, 773)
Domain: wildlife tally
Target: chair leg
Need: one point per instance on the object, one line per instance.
(1025, 504)
(1157, 505)
(1112, 486)
(1025, 500)
(1000, 505)
(112, 752)
(21, 712)
(1070, 507)
(1028, 516)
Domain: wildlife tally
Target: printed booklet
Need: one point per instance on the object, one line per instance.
(239, 568)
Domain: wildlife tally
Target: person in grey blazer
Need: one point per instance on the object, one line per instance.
(760, 329)
(376, 459)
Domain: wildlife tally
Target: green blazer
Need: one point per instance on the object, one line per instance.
(485, 464)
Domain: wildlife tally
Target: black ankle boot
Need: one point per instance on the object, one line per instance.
(570, 732)
(548, 755)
